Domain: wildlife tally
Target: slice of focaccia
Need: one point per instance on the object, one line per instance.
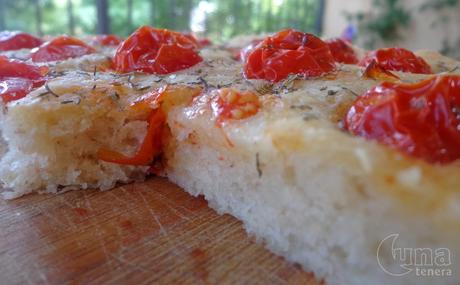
(273, 153)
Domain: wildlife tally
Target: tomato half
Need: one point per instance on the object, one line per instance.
(150, 148)
(16, 68)
(12, 89)
(422, 119)
(397, 59)
(60, 48)
(342, 51)
(288, 52)
(17, 40)
(243, 54)
(156, 51)
(17, 78)
(230, 104)
(108, 40)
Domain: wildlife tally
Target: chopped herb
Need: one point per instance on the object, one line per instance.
(94, 87)
(158, 80)
(351, 91)
(453, 69)
(332, 92)
(287, 85)
(143, 88)
(301, 107)
(43, 94)
(204, 82)
(76, 101)
(47, 87)
(94, 72)
(309, 116)
(83, 73)
(323, 88)
(259, 170)
(223, 85)
(115, 96)
(131, 84)
(265, 89)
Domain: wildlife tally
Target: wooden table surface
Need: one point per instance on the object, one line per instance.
(151, 232)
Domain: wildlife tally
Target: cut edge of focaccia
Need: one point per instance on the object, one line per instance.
(313, 193)
(316, 195)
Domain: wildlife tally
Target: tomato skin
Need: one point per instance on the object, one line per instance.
(17, 78)
(421, 120)
(17, 40)
(108, 40)
(243, 54)
(16, 68)
(151, 146)
(288, 52)
(230, 104)
(342, 51)
(397, 59)
(61, 48)
(12, 89)
(156, 51)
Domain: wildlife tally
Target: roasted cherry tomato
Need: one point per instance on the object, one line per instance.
(61, 48)
(17, 40)
(108, 40)
(157, 104)
(15, 68)
(150, 147)
(375, 71)
(12, 89)
(288, 52)
(156, 51)
(397, 59)
(229, 104)
(243, 54)
(342, 51)
(17, 78)
(421, 119)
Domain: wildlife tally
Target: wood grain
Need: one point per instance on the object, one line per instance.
(151, 232)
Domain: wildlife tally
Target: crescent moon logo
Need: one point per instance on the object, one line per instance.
(402, 268)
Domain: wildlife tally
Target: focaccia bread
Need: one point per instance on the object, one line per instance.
(273, 153)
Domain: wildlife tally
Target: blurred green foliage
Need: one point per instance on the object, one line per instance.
(224, 18)
(385, 24)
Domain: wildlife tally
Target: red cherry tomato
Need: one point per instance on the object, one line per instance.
(12, 89)
(397, 59)
(108, 40)
(17, 40)
(61, 48)
(10, 68)
(342, 51)
(156, 51)
(17, 78)
(230, 104)
(150, 148)
(289, 52)
(243, 54)
(422, 119)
